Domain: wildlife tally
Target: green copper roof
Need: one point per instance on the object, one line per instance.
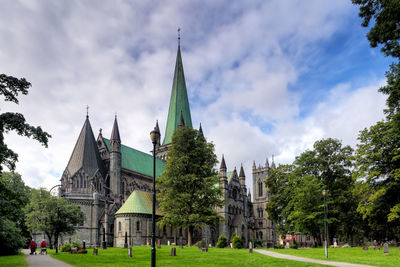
(229, 176)
(138, 161)
(138, 202)
(178, 103)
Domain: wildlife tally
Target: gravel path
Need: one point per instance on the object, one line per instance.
(42, 260)
(295, 258)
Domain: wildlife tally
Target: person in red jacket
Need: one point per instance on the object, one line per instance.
(43, 247)
(33, 246)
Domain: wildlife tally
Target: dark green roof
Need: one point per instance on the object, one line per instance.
(138, 161)
(138, 202)
(179, 103)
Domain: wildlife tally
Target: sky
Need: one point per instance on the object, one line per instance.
(264, 78)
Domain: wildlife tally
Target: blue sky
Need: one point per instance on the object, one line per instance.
(264, 77)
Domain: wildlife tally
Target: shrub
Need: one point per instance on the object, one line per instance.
(237, 241)
(279, 246)
(257, 242)
(66, 247)
(198, 244)
(76, 243)
(222, 242)
(293, 245)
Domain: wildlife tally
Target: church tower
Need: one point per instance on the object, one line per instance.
(115, 162)
(179, 109)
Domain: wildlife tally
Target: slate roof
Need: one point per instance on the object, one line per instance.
(86, 153)
(138, 161)
(138, 202)
(178, 103)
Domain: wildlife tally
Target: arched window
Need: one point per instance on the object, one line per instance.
(137, 226)
(260, 189)
(81, 184)
(260, 235)
(119, 226)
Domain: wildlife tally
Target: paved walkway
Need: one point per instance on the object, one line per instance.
(295, 258)
(42, 260)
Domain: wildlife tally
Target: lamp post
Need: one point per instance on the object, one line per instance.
(155, 136)
(325, 237)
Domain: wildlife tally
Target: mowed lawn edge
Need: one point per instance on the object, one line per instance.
(350, 255)
(17, 260)
(188, 256)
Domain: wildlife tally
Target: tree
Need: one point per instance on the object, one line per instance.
(10, 87)
(14, 195)
(51, 215)
(378, 172)
(187, 188)
(296, 204)
(378, 154)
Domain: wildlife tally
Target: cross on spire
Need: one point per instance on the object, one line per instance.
(87, 111)
(179, 36)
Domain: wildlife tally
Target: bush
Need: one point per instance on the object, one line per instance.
(257, 242)
(66, 247)
(279, 246)
(237, 241)
(10, 236)
(222, 242)
(293, 245)
(76, 243)
(198, 244)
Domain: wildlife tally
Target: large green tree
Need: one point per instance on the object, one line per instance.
(296, 204)
(188, 194)
(10, 88)
(14, 195)
(51, 215)
(378, 154)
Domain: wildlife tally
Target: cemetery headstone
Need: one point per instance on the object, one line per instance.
(84, 245)
(335, 244)
(169, 243)
(250, 247)
(287, 245)
(126, 240)
(95, 251)
(365, 247)
(180, 242)
(386, 249)
(230, 245)
(377, 248)
(130, 252)
(158, 243)
(173, 251)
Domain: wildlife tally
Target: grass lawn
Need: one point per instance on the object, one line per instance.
(185, 257)
(13, 260)
(352, 255)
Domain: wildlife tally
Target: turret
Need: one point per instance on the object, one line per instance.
(115, 162)
(201, 130)
(242, 178)
(266, 163)
(254, 165)
(273, 167)
(223, 179)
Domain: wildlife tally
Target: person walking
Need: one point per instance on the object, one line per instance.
(43, 247)
(32, 246)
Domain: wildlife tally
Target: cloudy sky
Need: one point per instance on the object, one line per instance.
(264, 77)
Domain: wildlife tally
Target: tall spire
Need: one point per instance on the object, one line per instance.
(179, 102)
(115, 131)
(241, 173)
(223, 165)
(201, 129)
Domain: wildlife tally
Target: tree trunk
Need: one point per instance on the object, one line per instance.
(50, 243)
(56, 242)
(189, 236)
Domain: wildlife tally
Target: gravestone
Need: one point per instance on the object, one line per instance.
(335, 244)
(365, 247)
(399, 248)
(126, 240)
(250, 247)
(169, 243)
(95, 251)
(84, 245)
(377, 248)
(230, 245)
(204, 245)
(180, 242)
(130, 252)
(287, 245)
(173, 251)
(158, 243)
(386, 249)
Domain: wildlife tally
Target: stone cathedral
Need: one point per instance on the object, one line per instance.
(112, 184)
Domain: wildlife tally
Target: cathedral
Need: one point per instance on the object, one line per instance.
(112, 184)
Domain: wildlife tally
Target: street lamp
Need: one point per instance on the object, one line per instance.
(325, 237)
(155, 136)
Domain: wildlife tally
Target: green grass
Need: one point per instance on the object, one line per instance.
(185, 257)
(352, 255)
(13, 260)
